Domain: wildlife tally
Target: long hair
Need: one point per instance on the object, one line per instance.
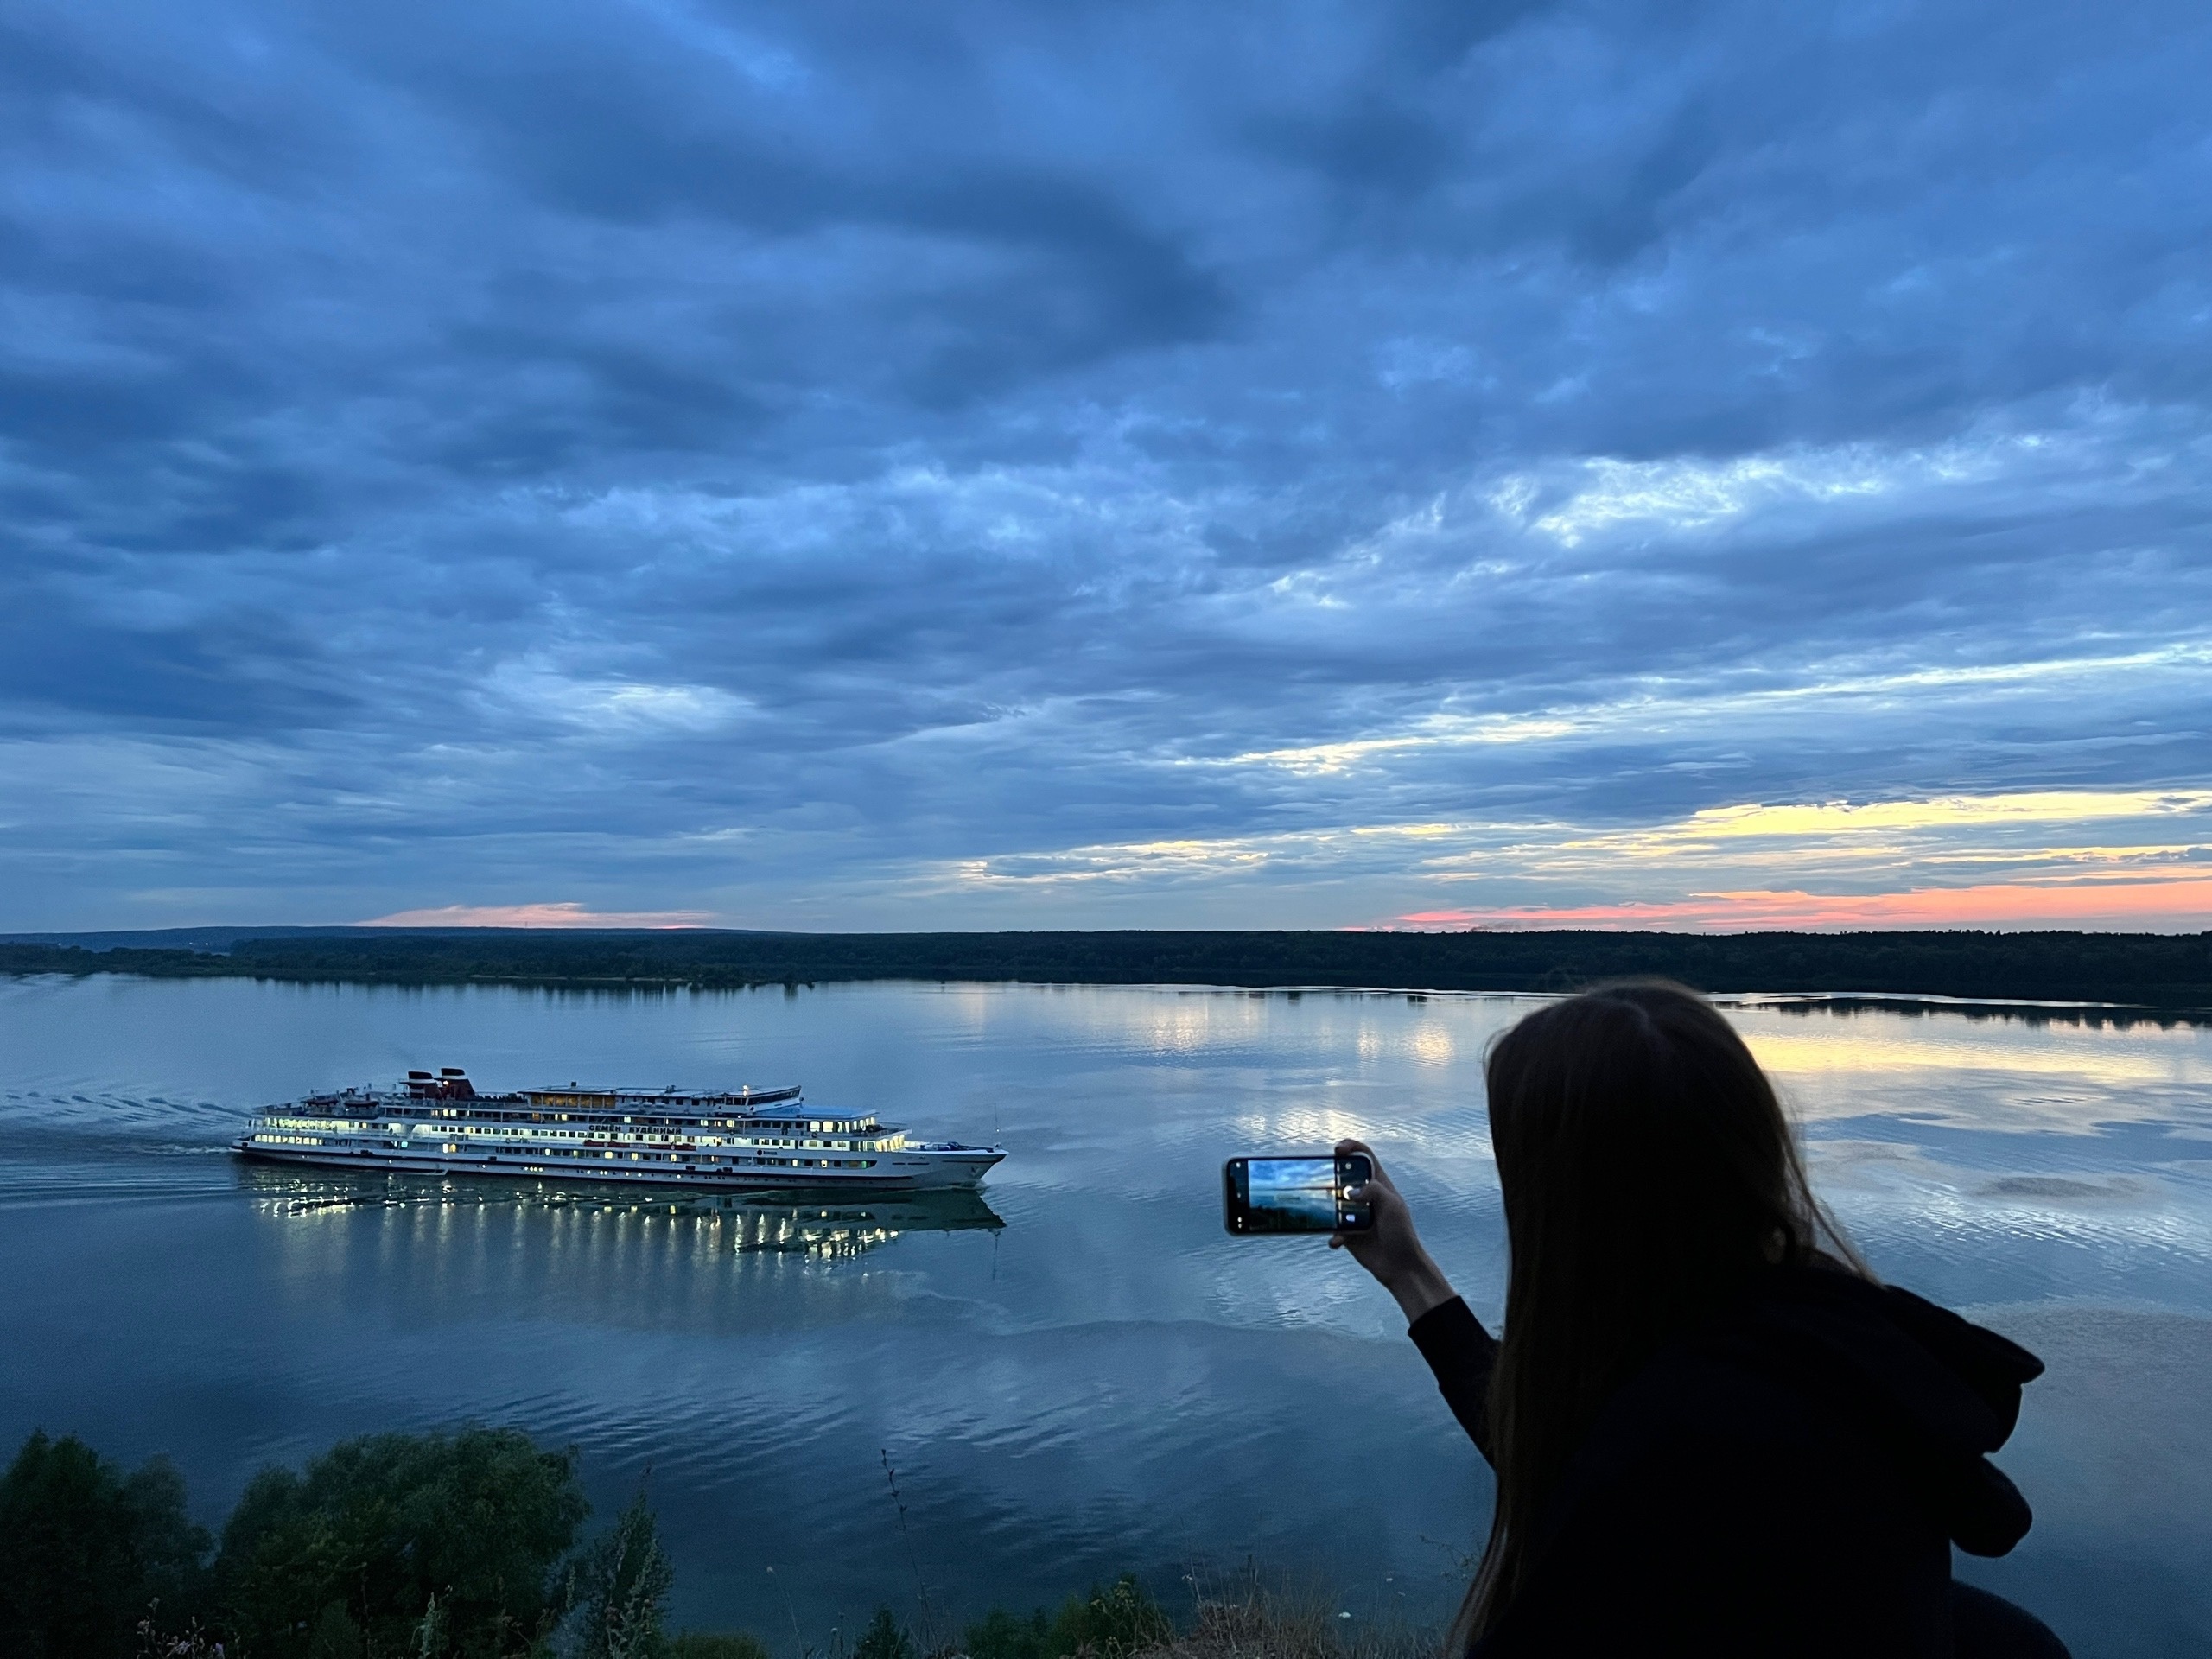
(1648, 1175)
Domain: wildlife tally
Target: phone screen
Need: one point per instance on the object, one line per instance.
(1295, 1195)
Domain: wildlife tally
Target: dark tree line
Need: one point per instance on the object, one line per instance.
(440, 1546)
(2155, 970)
(437, 1546)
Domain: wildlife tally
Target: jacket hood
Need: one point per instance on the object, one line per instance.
(1942, 1392)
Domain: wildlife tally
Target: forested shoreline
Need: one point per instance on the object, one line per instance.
(2155, 971)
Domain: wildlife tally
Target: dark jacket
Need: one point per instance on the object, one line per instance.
(1787, 1479)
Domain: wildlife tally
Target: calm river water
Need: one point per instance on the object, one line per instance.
(1081, 1373)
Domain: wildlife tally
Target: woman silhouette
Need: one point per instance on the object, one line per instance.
(1714, 1432)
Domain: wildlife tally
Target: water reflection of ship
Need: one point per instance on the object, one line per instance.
(829, 1225)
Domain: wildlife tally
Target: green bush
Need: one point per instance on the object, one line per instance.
(1121, 1618)
(1110, 1622)
(1001, 1635)
(429, 1544)
(884, 1638)
(717, 1644)
(621, 1589)
(84, 1551)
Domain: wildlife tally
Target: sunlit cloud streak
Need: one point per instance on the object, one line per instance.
(547, 915)
(2184, 903)
(2156, 881)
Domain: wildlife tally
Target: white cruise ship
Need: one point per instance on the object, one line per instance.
(663, 1137)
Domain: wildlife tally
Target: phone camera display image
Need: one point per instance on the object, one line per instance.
(1295, 1195)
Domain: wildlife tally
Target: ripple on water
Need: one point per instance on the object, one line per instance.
(114, 1116)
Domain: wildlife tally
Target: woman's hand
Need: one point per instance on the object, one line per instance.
(1391, 1249)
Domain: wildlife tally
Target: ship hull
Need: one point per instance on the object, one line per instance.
(715, 1140)
(919, 1171)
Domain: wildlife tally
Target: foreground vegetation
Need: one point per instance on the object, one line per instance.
(467, 1545)
(2154, 971)
(460, 1544)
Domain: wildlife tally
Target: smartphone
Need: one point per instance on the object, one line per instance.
(1295, 1195)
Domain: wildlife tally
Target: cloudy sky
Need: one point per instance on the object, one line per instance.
(862, 464)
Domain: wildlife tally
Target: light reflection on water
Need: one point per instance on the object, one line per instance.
(831, 1226)
(1077, 1371)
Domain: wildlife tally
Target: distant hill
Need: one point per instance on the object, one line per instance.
(2149, 970)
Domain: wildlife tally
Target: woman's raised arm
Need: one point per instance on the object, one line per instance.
(1458, 1350)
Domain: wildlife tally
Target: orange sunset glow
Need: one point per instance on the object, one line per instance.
(2180, 906)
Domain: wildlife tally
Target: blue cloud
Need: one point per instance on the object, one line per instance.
(806, 462)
